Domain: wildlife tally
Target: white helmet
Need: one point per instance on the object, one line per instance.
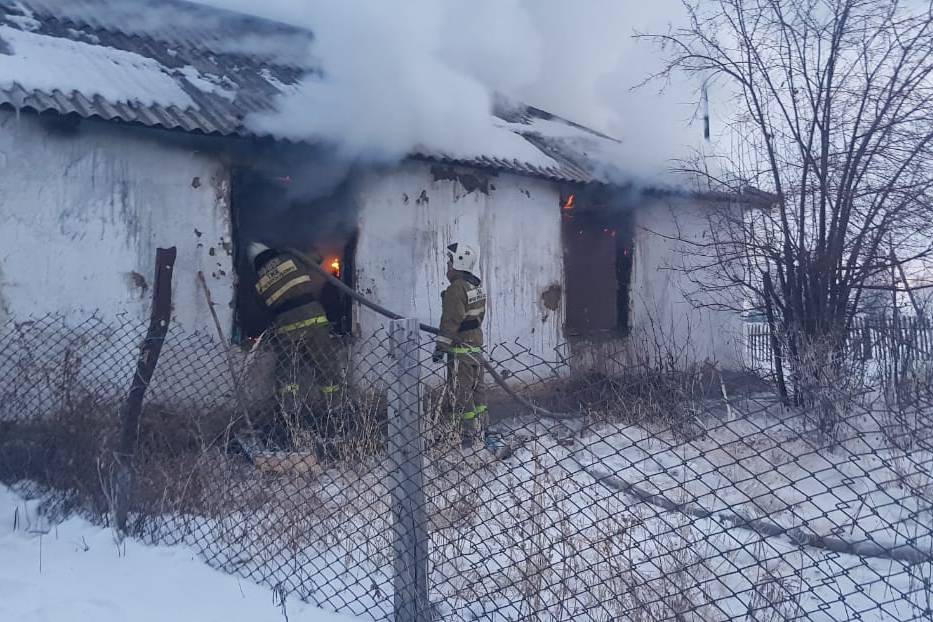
(254, 249)
(462, 256)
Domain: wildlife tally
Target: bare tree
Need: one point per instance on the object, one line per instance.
(833, 117)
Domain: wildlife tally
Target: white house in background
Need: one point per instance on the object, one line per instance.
(119, 137)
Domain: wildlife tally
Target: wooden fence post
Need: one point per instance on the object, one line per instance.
(131, 411)
(407, 479)
(777, 354)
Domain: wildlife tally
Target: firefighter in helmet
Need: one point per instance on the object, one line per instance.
(460, 341)
(307, 373)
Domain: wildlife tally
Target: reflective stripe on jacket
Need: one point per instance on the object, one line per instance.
(284, 285)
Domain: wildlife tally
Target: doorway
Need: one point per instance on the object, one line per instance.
(271, 210)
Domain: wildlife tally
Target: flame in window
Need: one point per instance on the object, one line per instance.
(335, 267)
(570, 203)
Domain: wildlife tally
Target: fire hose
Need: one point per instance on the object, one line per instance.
(534, 409)
(907, 553)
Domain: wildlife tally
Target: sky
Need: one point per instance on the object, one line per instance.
(403, 74)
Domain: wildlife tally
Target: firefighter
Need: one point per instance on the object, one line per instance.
(460, 341)
(307, 374)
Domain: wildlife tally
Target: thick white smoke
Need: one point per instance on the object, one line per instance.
(412, 74)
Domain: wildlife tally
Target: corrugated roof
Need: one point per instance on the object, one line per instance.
(177, 65)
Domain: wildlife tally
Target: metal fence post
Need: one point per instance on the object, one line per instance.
(131, 412)
(407, 480)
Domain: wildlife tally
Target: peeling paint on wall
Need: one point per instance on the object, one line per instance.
(220, 182)
(82, 216)
(551, 299)
(137, 283)
(517, 229)
(552, 296)
(98, 204)
(666, 305)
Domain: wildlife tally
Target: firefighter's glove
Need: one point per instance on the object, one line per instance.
(438, 356)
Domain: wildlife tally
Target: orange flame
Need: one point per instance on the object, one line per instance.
(569, 205)
(335, 267)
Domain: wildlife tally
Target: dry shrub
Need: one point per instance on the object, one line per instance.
(776, 595)
(904, 377)
(829, 383)
(440, 429)
(347, 425)
(69, 455)
(63, 452)
(352, 431)
(671, 399)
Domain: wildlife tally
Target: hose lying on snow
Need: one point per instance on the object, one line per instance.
(906, 553)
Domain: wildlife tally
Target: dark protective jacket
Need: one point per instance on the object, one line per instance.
(463, 309)
(284, 285)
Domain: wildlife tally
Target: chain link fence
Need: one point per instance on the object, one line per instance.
(659, 490)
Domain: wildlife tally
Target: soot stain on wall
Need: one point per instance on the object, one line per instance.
(471, 181)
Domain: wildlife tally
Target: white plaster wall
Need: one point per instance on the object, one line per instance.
(82, 213)
(407, 219)
(81, 218)
(666, 305)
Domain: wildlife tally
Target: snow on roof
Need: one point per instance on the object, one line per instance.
(571, 143)
(498, 142)
(47, 64)
(120, 63)
(182, 24)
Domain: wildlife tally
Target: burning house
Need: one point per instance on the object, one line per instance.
(118, 136)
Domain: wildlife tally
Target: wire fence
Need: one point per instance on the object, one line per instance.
(661, 491)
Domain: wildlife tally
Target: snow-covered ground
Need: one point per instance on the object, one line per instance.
(540, 530)
(763, 467)
(73, 571)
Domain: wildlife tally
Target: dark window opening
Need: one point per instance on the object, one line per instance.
(625, 257)
(265, 210)
(598, 260)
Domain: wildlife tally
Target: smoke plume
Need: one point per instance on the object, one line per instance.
(419, 74)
